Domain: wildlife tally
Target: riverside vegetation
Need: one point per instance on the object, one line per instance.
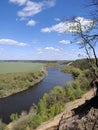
(18, 76)
(54, 102)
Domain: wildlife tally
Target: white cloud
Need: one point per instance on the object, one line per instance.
(79, 42)
(32, 8)
(39, 51)
(60, 28)
(46, 29)
(63, 27)
(31, 23)
(57, 19)
(51, 49)
(64, 41)
(20, 2)
(47, 50)
(12, 42)
(49, 3)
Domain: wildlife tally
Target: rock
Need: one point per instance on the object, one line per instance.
(84, 118)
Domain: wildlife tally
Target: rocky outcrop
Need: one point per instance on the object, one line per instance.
(85, 117)
(88, 122)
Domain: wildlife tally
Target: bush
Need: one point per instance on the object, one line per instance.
(50, 105)
(84, 82)
(72, 70)
(51, 101)
(73, 90)
(70, 91)
(34, 121)
(76, 72)
(14, 116)
(58, 93)
(14, 82)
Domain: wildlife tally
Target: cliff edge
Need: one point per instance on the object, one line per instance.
(84, 117)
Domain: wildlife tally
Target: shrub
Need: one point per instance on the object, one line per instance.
(58, 93)
(73, 90)
(72, 70)
(70, 91)
(14, 82)
(51, 104)
(77, 91)
(34, 121)
(14, 116)
(84, 82)
(76, 72)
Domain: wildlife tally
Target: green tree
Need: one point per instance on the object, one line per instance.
(86, 35)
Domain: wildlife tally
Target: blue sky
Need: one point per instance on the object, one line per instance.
(34, 29)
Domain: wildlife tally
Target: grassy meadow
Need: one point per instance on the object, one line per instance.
(14, 67)
(18, 76)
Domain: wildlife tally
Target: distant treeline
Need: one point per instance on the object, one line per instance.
(40, 61)
(82, 63)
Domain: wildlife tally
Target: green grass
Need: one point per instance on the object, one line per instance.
(13, 67)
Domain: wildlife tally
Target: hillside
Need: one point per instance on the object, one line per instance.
(59, 122)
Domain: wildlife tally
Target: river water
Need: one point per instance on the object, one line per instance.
(24, 100)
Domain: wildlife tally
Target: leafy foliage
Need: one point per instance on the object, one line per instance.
(74, 90)
(14, 116)
(14, 82)
(53, 103)
(72, 70)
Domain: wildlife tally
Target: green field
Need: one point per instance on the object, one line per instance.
(12, 67)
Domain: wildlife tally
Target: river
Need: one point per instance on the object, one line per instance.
(24, 100)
